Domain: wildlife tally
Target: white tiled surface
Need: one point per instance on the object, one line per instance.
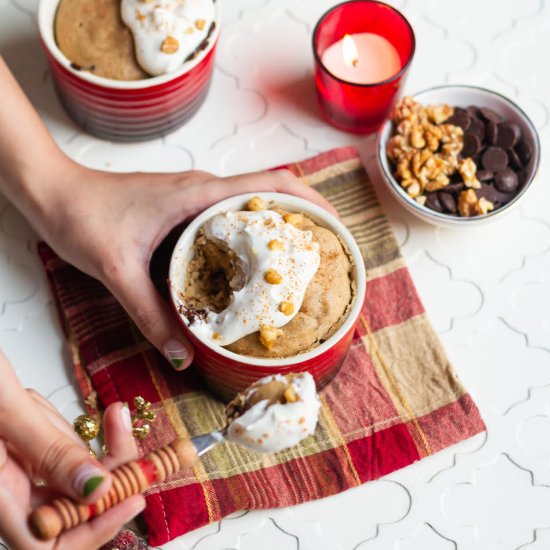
(487, 291)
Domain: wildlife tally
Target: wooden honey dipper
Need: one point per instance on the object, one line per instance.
(132, 478)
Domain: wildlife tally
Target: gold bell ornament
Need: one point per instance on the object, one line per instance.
(88, 427)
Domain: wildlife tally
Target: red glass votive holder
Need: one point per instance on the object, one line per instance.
(354, 107)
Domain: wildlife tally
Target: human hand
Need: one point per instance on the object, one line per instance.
(108, 226)
(37, 443)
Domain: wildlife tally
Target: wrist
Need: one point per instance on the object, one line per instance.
(35, 187)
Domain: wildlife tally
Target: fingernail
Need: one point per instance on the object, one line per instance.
(126, 417)
(176, 353)
(88, 479)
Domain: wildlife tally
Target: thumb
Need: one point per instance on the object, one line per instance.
(134, 289)
(54, 456)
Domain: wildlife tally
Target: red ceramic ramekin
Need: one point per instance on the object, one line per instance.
(226, 372)
(128, 110)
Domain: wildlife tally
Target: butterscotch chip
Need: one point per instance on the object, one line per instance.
(255, 204)
(275, 245)
(269, 335)
(170, 45)
(216, 336)
(273, 277)
(290, 395)
(189, 30)
(286, 307)
(293, 218)
(199, 23)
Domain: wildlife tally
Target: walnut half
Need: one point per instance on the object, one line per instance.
(469, 204)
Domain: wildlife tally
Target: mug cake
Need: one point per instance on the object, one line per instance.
(132, 39)
(267, 284)
(130, 70)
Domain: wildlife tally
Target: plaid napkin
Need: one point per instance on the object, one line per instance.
(396, 399)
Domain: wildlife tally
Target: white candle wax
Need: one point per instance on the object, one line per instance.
(375, 60)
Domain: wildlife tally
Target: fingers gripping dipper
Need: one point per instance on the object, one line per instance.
(274, 413)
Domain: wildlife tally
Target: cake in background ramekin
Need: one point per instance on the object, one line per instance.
(128, 110)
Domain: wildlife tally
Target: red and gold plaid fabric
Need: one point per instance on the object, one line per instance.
(395, 400)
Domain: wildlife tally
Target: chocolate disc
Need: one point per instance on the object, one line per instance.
(508, 135)
(503, 198)
(489, 114)
(477, 128)
(455, 187)
(448, 201)
(473, 111)
(513, 159)
(471, 146)
(494, 159)
(515, 128)
(432, 201)
(507, 181)
(477, 158)
(524, 151)
(487, 191)
(460, 118)
(484, 175)
(491, 133)
(522, 177)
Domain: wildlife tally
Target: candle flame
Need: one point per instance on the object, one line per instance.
(349, 51)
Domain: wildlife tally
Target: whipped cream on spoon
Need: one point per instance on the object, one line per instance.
(274, 413)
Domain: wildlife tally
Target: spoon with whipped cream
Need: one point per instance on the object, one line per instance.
(274, 413)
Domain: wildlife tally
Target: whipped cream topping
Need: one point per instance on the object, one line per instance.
(268, 428)
(166, 32)
(293, 261)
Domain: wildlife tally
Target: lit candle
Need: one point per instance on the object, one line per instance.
(363, 50)
(364, 58)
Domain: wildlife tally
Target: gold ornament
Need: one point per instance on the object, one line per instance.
(140, 403)
(87, 428)
(142, 431)
(142, 417)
